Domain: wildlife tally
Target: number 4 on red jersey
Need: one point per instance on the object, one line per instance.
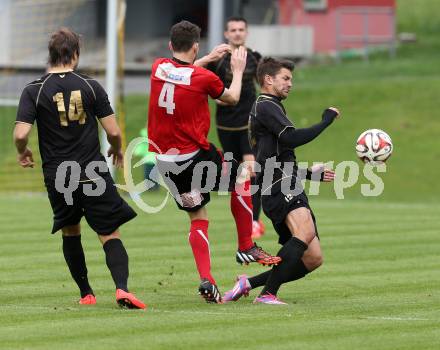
(178, 113)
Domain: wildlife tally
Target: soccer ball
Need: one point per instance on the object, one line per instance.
(374, 146)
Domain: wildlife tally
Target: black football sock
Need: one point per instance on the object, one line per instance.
(256, 202)
(76, 261)
(117, 261)
(261, 279)
(291, 253)
(298, 273)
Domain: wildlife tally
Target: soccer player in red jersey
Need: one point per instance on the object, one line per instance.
(232, 121)
(178, 126)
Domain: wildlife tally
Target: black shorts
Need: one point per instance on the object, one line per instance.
(190, 187)
(277, 206)
(236, 142)
(104, 213)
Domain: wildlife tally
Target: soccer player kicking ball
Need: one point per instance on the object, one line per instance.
(273, 139)
(67, 106)
(178, 125)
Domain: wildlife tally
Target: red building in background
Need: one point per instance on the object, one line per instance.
(342, 24)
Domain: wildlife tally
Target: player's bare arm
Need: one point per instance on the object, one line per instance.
(21, 139)
(113, 133)
(220, 103)
(231, 96)
(325, 174)
(216, 54)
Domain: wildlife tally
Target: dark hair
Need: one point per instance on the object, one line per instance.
(271, 66)
(63, 45)
(235, 19)
(183, 35)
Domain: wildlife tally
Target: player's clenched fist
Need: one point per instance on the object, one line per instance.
(117, 157)
(330, 113)
(326, 175)
(238, 59)
(26, 159)
(335, 110)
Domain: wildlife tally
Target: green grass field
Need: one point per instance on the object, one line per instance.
(378, 289)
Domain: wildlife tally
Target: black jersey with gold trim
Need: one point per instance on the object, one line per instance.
(65, 106)
(267, 121)
(273, 137)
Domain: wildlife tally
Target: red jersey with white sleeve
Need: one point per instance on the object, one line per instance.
(178, 113)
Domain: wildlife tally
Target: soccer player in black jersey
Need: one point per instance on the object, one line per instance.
(274, 138)
(67, 107)
(232, 121)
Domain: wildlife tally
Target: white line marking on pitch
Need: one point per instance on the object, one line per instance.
(149, 310)
(390, 318)
(193, 312)
(42, 307)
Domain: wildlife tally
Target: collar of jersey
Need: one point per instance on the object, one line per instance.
(272, 97)
(61, 72)
(180, 61)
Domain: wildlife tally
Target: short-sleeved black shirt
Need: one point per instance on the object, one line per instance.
(237, 116)
(267, 121)
(65, 107)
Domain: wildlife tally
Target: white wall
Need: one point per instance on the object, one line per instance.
(4, 30)
(281, 41)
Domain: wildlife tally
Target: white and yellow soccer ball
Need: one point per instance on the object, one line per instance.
(374, 146)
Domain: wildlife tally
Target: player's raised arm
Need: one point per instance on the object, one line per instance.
(286, 133)
(231, 96)
(216, 54)
(113, 132)
(297, 137)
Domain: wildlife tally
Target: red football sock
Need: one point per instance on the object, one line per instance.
(198, 239)
(241, 207)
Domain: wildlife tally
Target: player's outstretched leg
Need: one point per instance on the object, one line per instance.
(291, 253)
(116, 258)
(245, 284)
(248, 251)
(300, 223)
(75, 260)
(311, 260)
